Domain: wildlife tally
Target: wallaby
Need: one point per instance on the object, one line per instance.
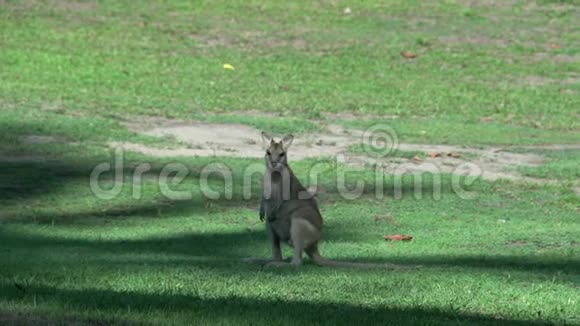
(290, 211)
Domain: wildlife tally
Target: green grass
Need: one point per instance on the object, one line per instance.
(459, 131)
(561, 164)
(277, 124)
(485, 75)
(166, 59)
(487, 260)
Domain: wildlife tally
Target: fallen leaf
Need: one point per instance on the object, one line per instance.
(555, 46)
(454, 155)
(229, 66)
(398, 237)
(416, 158)
(408, 54)
(434, 154)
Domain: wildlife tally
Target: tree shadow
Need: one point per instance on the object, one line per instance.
(44, 318)
(29, 178)
(544, 266)
(241, 310)
(224, 251)
(25, 179)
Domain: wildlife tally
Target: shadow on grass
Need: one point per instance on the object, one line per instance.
(44, 318)
(546, 266)
(21, 180)
(241, 310)
(222, 250)
(25, 179)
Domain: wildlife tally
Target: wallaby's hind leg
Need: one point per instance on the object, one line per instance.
(297, 260)
(303, 235)
(313, 253)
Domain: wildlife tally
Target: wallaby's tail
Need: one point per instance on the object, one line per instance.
(321, 261)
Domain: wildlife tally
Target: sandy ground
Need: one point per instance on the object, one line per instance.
(234, 140)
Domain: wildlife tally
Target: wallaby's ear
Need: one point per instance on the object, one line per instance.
(266, 139)
(287, 141)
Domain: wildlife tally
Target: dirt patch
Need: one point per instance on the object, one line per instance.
(541, 81)
(353, 116)
(554, 147)
(490, 3)
(473, 40)
(259, 41)
(558, 58)
(66, 6)
(236, 140)
(230, 140)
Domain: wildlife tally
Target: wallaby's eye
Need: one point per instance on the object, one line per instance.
(268, 152)
(282, 154)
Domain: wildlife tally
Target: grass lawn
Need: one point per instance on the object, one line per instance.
(73, 73)
(562, 164)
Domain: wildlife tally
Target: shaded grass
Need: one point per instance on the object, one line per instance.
(217, 310)
(492, 259)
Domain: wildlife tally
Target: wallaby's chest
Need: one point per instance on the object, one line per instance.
(281, 203)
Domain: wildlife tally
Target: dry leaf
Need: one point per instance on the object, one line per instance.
(408, 54)
(454, 155)
(555, 46)
(487, 119)
(434, 154)
(398, 237)
(416, 158)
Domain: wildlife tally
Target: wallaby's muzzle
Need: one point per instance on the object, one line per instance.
(276, 165)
